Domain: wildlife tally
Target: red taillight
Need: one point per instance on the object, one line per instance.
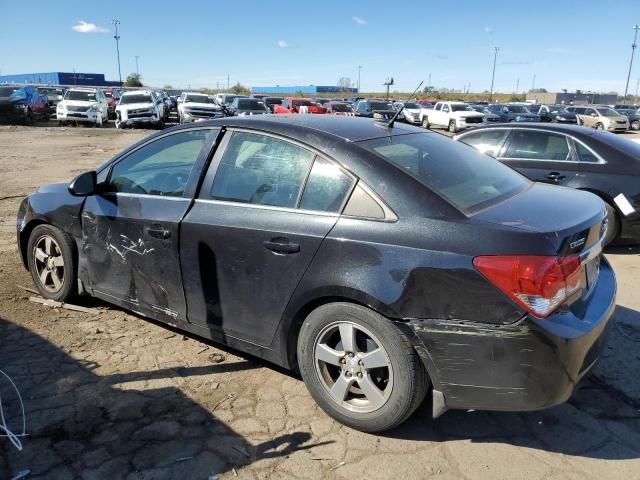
(538, 284)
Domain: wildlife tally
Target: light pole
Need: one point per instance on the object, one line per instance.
(517, 86)
(633, 52)
(137, 71)
(359, 70)
(117, 37)
(493, 74)
(533, 82)
(636, 95)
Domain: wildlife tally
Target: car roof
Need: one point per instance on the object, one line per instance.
(575, 130)
(351, 129)
(83, 89)
(132, 92)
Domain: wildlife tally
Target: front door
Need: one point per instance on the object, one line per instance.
(254, 230)
(541, 156)
(131, 230)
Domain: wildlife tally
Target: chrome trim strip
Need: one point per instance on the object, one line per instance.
(268, 207)
(146, 195)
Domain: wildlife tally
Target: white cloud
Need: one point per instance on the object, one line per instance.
(488, 29)
(359, 21)
(282, 44)
(84, 27)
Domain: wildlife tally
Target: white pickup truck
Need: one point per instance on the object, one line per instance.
(453, 116)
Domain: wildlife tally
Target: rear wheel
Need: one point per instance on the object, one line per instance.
(635, 125)
(51, 263)
(359, 367)
(599, 126)
(613, 225)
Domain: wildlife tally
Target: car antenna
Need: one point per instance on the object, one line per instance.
(393, 119)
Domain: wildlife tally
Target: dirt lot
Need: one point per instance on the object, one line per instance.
(111, 395)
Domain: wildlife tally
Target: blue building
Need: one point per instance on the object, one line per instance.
(60, 78)
(306, 89)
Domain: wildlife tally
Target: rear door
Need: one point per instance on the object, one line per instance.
(265, 206)
(131, 230)
(542, 156)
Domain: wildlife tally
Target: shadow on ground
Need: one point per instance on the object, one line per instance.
(80, 424)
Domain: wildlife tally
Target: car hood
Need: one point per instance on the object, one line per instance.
(252, 112)
(467, 114)
(11, 99)
(132, 106)
(52, 188)
(208, 106)
(536, 210)
(78, 103)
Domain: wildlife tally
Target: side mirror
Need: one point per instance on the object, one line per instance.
(84, 185)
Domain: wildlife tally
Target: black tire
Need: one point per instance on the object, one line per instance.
(425, 122)
(452, 126)
(599, 126)
(63, 248)
(409, 380)
(635, 125)
(613, 225)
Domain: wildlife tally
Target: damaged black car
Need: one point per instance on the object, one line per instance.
(383, 262)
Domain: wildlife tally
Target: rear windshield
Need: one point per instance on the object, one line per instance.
(341, 107)
(198, 99)
(273, 101)
(380, 106)
(466, 178)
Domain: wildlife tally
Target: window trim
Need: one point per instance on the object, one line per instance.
(507, 144)
(206, 147)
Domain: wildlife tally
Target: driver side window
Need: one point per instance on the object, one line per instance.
(161, 167)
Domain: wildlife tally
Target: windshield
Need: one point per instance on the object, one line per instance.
(479, 180)
(273, 101)
(381, 106)
(108, 94)
(136, 98)
(411, 105)
(81, 95)
(51, 91)
(456, 107)
(478, 108)
(559, 109)
(250, 104)
(198, 99)
(303, 103)
(518, 109)
(8, 91)
(228, 99)
(341, 107)
(607, 112)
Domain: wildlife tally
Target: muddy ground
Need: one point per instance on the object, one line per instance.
(111, 395)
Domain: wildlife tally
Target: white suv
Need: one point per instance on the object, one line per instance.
(86, 105)
(139, 107)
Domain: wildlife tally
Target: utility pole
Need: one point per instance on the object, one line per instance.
(137, 71)
(117, 37)
(533, 82)
(359, 70)
(227, 81)
(517, 86)
(633, 52)
(493, 74)
(636, 95)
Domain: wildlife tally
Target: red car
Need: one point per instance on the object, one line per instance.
(339, 108)
(298, 105)
(112, 101)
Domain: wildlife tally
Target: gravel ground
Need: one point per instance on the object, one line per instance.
(111, 395)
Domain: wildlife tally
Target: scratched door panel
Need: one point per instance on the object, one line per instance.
(131, 249)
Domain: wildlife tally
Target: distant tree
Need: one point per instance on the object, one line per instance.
(240, 89)
(538, 90)
(133, 80)
(344, 84)
(168, 86)
(428, 89)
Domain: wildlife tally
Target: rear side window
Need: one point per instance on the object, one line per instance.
(460, 174)
(486, 141)
(536, 145)
(585, 154)
(261, 170)
(326, 188)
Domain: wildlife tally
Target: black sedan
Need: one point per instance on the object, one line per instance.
(247, 106)
(343, 248)
(576, 157)
(513, 112)
(554, 113)
(633, 116)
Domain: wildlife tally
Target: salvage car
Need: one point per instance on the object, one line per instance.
(554, 113)
(298, 105)
(600, 117)
(453, 116)
(411, 112)
(487, 116)
(345, 249)
(575, 157)
(139, 107)
(248, 106)
(22, 104)
(513, 113)
(83, 105)
(633, 116)
(54, 96)
(271, 102)
(375, 108)
(196, 107)
(339, 108)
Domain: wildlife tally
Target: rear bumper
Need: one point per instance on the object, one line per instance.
(530, 365)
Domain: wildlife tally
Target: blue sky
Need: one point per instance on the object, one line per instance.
(571, 44)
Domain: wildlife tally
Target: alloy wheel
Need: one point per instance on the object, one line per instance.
(353, 367)
(49, 263)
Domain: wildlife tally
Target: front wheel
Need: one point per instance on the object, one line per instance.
(52, 263)
(612, 225)
(452, 126)
(425, 122)
(359, 367)
(635, 125)
(599, 126)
